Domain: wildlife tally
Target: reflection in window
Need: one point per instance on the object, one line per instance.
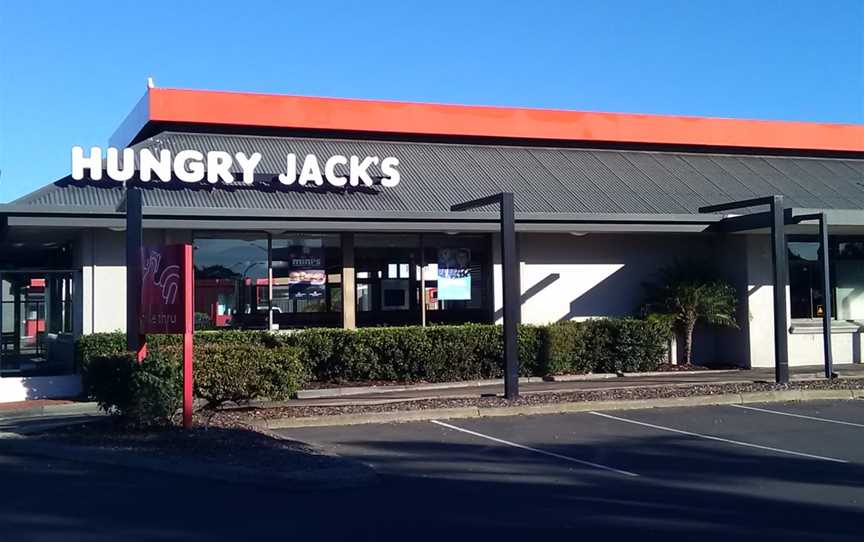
(457, 268)
(455, 272)
(294, 280)
(846, 260)
(849, 280)
(307, 277)
(231, 288)
(805, 280)
(384, 282)
(36, 319)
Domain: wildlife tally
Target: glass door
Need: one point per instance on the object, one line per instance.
(36, 321)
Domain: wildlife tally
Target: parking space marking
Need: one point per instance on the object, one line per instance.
(815, 418)
(720, 439)
(536, 450)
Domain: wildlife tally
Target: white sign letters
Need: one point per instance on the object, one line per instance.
(190, 166)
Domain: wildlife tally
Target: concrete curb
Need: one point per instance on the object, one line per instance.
(604, 376)
(326, 393)
(370, 417)
(556, 408)
(50, 410)
(349, 474)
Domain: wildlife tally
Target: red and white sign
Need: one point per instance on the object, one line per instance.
(162, 287)
(166, 303)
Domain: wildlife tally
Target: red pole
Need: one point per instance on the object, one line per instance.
(188, 327)
(142, 348)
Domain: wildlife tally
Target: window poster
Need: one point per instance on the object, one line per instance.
(454, 274)
(304, 269)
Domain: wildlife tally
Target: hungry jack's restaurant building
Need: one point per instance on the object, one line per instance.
(603, 201)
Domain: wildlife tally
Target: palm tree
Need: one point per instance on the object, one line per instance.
(688, 293)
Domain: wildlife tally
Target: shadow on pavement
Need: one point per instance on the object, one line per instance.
(435, 491)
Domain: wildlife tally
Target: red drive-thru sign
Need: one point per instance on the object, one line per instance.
(162, 275)
(166, 303)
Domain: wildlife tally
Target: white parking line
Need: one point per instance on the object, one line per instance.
(798, 415)
(536, 450)
(720, 439)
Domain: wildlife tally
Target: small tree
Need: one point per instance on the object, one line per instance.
(688, 293)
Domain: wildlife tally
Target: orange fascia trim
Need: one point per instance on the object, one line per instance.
(267, 110)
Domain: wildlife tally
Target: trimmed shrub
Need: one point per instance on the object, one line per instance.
(633, 345)
(240, 373)
(150, 393)
(89, 347)
(566, 349)
(412, 354)
(605, 346)
(141, 395)
(243, 365)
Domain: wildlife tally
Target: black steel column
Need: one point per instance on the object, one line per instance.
(134, 243)
(510, 290)
(780, 268)
(510, 284)
(826, 294)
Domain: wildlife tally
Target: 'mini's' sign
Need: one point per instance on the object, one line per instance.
(191, 166)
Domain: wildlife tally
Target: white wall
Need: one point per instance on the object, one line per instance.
(567, 277)
(102, 256)
(103, 270)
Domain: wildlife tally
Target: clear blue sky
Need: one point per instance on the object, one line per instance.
(71, 70)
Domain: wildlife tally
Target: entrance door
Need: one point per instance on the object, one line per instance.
(36, 323)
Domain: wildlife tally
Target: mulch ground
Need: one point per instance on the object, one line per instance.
(238, 417)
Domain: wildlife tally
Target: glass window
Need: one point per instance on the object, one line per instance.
(36, 312)
(805, 280)
(231, 289)
(307, 278)
(294, 280)
(386, 291)
(454, 286)
(849, 280)
(457, 271)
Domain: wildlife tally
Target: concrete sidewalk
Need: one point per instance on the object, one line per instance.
(384, 394)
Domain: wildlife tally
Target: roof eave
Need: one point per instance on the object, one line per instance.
(200, 107)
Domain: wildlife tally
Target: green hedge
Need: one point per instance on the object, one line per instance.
(412, 354)
(238, 373)
(605, 346)
(96, 345)
(150, 393)
(416, 354)
(141, 395)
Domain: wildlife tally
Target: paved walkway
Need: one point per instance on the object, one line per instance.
(379, 396)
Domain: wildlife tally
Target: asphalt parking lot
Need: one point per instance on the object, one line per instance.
(713, 473)
(784, 471)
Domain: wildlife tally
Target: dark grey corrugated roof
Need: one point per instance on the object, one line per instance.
(543, 179)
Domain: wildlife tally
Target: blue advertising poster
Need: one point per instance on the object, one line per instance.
(454, 274)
